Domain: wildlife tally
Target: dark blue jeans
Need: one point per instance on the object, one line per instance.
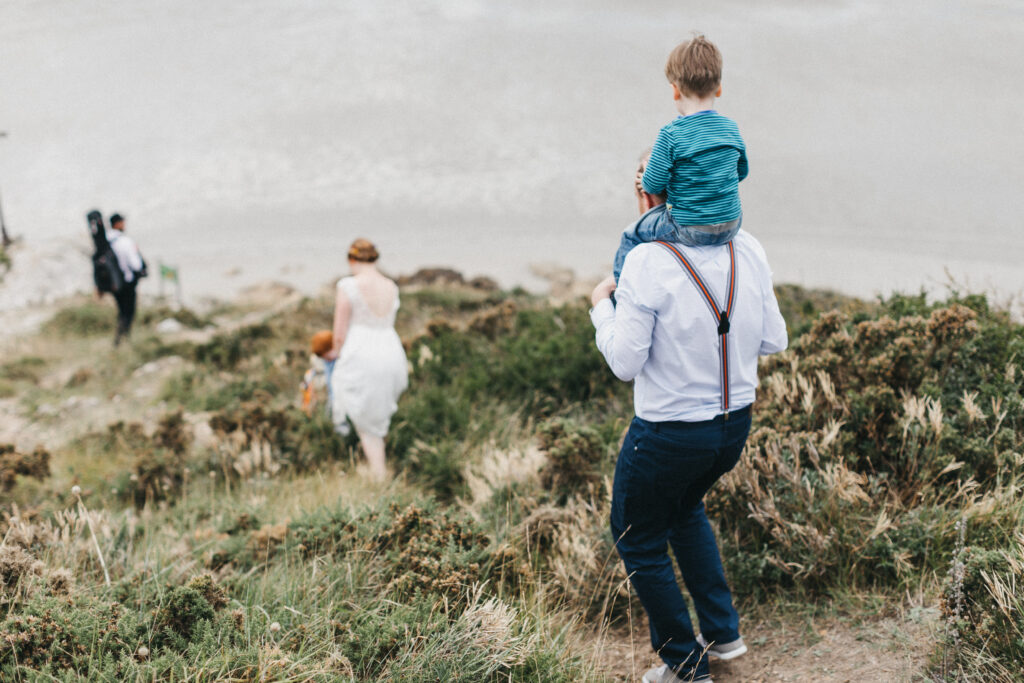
(663, 472)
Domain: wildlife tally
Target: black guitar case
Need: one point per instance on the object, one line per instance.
(106, 273)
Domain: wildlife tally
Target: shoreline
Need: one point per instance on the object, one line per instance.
(45, 275)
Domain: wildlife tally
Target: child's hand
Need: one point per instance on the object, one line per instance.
(603, 290)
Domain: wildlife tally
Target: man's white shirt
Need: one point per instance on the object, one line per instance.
(127, 253)
(662, 333)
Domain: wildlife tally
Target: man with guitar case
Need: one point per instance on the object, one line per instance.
(117, 268)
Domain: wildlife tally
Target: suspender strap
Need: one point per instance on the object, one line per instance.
(722, 314)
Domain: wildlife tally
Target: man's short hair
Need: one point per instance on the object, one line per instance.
(115, 219)
(695, 67)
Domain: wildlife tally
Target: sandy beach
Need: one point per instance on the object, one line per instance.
(253, 144)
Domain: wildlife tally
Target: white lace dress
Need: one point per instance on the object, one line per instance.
(371, 372)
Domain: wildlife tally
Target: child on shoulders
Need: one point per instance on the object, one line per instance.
(697, 160)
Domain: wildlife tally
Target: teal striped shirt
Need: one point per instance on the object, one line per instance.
(698, 162)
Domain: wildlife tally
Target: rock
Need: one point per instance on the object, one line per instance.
(78, 378)
(47, 410)
(556, 275)
(445, 277)
(432, 277)
(202, 434)
(169, 326)
(159, 365)
(495, 321)
(266, 294)
(563, 283)
(483, 283)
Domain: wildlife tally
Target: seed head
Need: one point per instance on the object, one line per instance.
(143, 652)
(275, 627)
(76, 490)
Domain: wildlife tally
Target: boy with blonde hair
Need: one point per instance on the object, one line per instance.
(697, 161)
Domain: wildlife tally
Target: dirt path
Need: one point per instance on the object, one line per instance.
(827, 650)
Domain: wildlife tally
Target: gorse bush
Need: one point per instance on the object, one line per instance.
(14, 464)
(868, 438)
(576, 457)
(398, 591)
(983, 605)
(253, 439)
(249, 440)
(201, 391)
(547, 360)
(228, 349)
(543, 362)
(423, 549)
(85, 637)
(187, 608)
(801, 306)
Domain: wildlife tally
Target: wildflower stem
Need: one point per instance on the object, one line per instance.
(92, 532)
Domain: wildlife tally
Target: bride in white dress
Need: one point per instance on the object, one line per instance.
(371, 370)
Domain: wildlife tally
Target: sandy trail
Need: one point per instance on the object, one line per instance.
(828, 650)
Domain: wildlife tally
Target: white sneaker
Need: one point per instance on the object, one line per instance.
(723, 651)
(662, 674)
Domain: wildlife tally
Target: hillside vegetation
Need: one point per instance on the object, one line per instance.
(182, 519)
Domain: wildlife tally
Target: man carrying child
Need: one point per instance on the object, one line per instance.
(694, 310)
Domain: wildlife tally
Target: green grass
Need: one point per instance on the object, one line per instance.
(89, 319)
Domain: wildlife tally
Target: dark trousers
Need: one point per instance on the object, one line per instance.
(125, 298)
(663, 472)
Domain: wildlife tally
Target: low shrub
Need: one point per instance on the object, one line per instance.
(228, 349)
(521, 360)
(205, 391)
(53, 635)
(186, 316)
(253, 438)
(419, 549)
(186, 608)
(371, 638)
(983, 605)
(489, 641)
(801, 306)
(70, 638)
(85, 320)
(863, 434)
(576, 457)
(14, 464)
(24, 369)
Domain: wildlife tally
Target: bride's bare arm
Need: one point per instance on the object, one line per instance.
(342, 314)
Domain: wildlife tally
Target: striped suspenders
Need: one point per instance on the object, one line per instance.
(722, 315)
